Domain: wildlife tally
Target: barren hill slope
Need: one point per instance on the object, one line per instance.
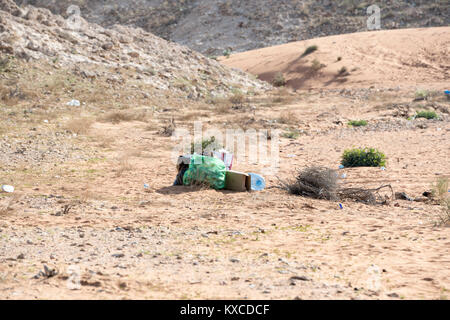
(213, 26)
(35, 33)
(384, 58)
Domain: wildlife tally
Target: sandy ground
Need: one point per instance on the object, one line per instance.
(385, 58)
(119, 240)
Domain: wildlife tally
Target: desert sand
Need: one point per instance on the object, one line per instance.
(124, 241)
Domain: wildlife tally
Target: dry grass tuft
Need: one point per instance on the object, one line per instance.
(123, 116)
(440, 192)
(124, 165)
(168, 129)
(79, 126)
(7, 204)
(288, 117)
(315, 182)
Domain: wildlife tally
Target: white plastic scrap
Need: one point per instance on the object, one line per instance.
(73, 103)
(6, 188)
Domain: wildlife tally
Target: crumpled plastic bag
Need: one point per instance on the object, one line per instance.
(205, 170)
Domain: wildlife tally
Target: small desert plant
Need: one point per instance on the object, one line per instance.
(441, 193)
(206, 145)
(5, 64)
(421, 95)
(310, 50)
(237, 98)
(168, 129)
(291, 134)
(124, 165)
(316, 65)
(357, 123)
(279, 80)
(122, 116)
(78, 126)
(427, 115)
(315, 182)
(343, 71)
(227, 52)
(288, 117)
(363, 157)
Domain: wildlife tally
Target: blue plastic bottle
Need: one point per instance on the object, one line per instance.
(258, 182)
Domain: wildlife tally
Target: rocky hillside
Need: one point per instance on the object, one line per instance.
(35, 33)
(211, 27)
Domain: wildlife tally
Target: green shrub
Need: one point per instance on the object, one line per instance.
(291, 134)
(279, 80)
(206, 144)
(310, 50)
(427, 115)
(227, 53)
(363, 157)
(357, 123)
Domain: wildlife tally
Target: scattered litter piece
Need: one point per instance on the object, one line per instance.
(383, 168)
(257, 182)
(45, 121)
(291, 155)
(341, 206)
(344, 175)
(73, 103)
(7, 188)
(341, 167)
(146, 186)
(403, 196)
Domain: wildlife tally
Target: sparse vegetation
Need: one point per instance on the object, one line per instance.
(291, 134)
(207, 145)
(288, 117)
(317, 65)
(421, 95)
(279, 80)
(310, 50)
(343, 72)
(79, 126)
(441, 193)
(5, 64)
(363, 157)
(117, 117)
(237, 98)
(427, 115)
(357, 123)
(168, 129)
(315, 182)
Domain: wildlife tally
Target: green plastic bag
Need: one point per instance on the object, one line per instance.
(207, 170)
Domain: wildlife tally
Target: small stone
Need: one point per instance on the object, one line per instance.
(301, 278)
(234, 260)
(21, 256)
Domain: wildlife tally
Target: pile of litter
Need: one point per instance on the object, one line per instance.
(214, 171)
